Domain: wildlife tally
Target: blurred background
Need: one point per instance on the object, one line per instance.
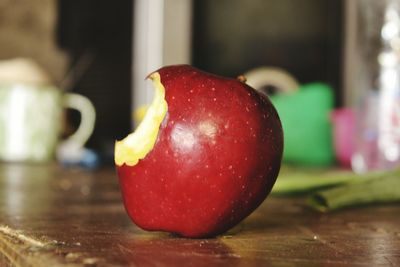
(103, 50)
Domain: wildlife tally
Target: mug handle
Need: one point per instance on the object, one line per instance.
(277, 77)
(88, 117)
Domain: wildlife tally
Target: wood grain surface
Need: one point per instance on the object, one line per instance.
(50, 216)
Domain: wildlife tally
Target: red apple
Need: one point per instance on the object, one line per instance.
(206, 154)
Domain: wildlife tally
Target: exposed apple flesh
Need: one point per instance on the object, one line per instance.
(202, 159)
(136, 145)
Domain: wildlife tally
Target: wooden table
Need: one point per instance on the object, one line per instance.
(55, 217)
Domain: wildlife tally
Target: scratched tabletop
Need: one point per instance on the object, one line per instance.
(50, 216)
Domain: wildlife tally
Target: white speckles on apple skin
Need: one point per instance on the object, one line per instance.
(207, 129)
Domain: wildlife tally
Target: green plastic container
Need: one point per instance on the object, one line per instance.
(306, 124)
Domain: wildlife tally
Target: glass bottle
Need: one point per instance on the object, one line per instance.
(377, 111)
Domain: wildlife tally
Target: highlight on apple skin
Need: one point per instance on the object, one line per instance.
(205, 156)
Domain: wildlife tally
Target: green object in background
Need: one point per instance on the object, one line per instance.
(370, 191)
(306, 124)
(297, 181)
(303, 181)
(330, 190)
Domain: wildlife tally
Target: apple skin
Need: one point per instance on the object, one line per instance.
(217, 155)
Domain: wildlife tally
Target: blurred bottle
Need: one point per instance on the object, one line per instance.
(377, 143)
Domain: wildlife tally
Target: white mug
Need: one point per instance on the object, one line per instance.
(31, 121)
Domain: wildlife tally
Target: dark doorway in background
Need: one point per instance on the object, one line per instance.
(97, 34)
(303, 37)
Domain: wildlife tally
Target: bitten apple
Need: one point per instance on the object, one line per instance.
(206, 154)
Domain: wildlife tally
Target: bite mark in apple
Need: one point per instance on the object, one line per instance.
(139, 143)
